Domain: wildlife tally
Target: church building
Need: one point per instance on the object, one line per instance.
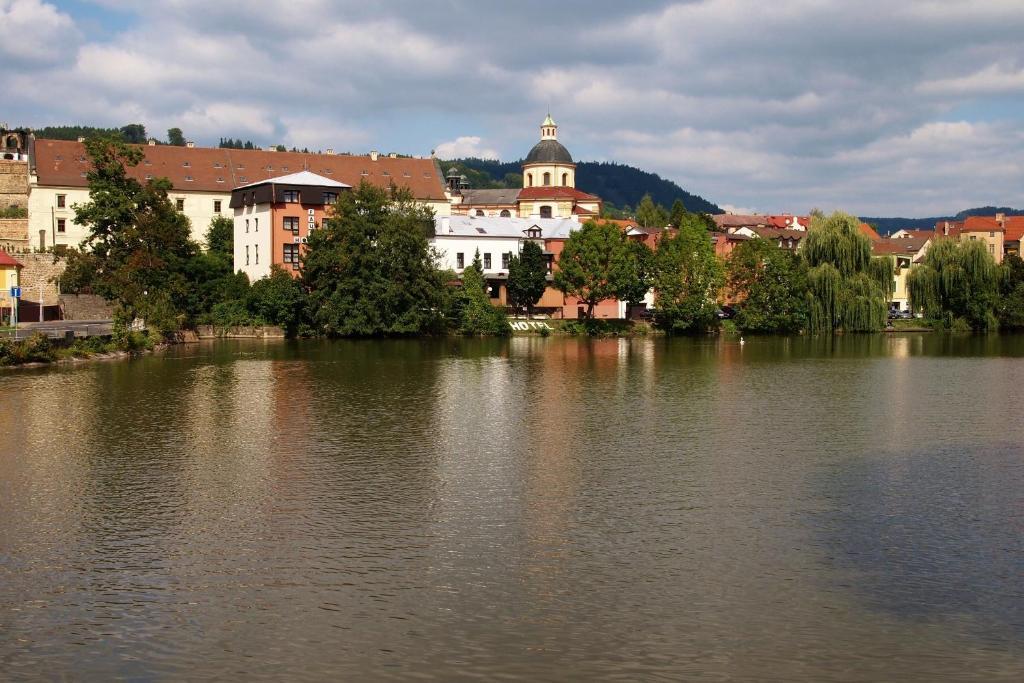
(548, 191)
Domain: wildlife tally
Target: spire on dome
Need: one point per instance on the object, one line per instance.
(549, 129)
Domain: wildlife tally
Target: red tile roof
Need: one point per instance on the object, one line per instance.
(8, 260)
(556, 192)
(982, 224)
(1014, 228)
(901, 245)
(870, 232)
(62, 163)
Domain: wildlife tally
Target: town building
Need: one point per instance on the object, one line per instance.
(458, 239)
(991, 230)
(203, 179)
(548, 191)
(907, 252)
(274, 218)
(15, 147)
(9, 270)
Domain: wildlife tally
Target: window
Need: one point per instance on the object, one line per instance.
(460, 260)
(505, 213)
(291, 196)
(479, 212)
(255, 224)
(216, 164)
(291, 255)
(240, 167)
(992, 249)
(61, 225)
(247, 254)
(545, 212)
(292, 223)
(284, 168)
(330, 197)
(241, 178)
(187, 164)
(487, 261)
(149, 176)
(992, 234)
(180, 203)
(364, 172)
(216, 206)
(220, 179)
(147, 162)
(188, 179)
(247, 225)
(504, 259)
(529, 180)
(62, 201)
(547, 179)
(565, 179)
(256, 249)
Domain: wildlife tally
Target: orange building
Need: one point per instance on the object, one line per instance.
(273, 219)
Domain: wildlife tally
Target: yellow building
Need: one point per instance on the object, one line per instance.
(9, 268)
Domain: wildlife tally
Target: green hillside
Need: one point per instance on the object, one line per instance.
(617, 184)
(887, 226)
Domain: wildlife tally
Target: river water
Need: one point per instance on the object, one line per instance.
(847, 509)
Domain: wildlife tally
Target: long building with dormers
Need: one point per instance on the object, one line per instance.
(203, 179)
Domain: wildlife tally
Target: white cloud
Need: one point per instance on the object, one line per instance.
(994, 79)
(35, 32)
(465, 146)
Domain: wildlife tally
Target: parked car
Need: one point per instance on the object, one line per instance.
(726, 313)
(900, 315)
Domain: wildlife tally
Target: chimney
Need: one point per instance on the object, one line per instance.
(190, 144)
(374, 154)
(1001, 219)
(330, 150)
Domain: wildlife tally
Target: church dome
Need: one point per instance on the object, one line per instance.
(548, 152)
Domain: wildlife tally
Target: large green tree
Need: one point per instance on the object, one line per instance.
(370, 270)
(175, 137)
(476, 314)
(649, 214)
(527, 277)
(594, 265)
(687, 279)
(770, 287)
(139, 244)
(677, 214)
(957, 283)
(848, 288)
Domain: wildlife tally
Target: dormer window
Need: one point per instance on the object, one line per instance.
(187, 164)
(291, 196)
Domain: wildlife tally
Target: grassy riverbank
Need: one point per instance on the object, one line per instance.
(39, 348)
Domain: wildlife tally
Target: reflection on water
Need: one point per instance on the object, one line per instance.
(535, 509)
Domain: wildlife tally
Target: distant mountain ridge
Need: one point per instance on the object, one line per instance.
(617, 184)
(887, 226)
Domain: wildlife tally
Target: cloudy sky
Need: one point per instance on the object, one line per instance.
(881, 107)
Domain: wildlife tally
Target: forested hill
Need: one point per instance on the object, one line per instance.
(887, 226)
(617, 184)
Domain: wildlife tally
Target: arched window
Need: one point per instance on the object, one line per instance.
(505, 213)
(545, 212)
(547, 179)
(529, 180)
(479, 212)
(565, 179)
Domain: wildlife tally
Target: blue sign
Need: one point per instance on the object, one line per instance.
(16, 292)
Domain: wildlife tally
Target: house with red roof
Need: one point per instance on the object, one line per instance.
(991, 230)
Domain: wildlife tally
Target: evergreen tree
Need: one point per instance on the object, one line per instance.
(848, 289)
(527, 277)
(957, 284)
(678, 213)
(770, 285)
(649, 214)
(477, 316)
(370, 270)
(687, 279)
(175, 137)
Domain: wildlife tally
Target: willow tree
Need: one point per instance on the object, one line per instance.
(848, 288)
(957, 284)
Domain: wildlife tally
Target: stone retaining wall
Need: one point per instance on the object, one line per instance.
(211, 332)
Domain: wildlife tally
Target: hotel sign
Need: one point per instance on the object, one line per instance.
(526, 325)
